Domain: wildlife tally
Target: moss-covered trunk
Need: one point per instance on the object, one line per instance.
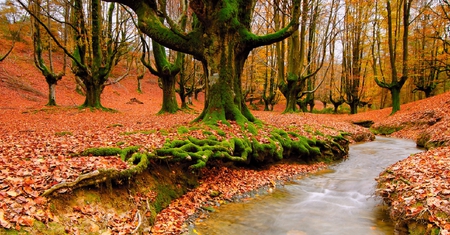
(395, 96)
(221, 38)
(224, 97)
(169, 104)
(94, 88)
(291, 100)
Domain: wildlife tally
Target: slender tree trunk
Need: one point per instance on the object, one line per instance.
(52, 80)
(51, 95)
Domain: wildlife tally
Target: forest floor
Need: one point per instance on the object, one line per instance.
(37, 143)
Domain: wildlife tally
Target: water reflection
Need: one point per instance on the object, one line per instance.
(338, 201)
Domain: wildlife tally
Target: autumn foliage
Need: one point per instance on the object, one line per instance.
(39, 147)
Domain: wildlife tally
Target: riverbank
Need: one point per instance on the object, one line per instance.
(338, 200)
(417, 189)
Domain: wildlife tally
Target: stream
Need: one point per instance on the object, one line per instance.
(339, 200)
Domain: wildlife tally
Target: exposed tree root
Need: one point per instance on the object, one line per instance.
(280, 144)
(246, 150)
(139, 162)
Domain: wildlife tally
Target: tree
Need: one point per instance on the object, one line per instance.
(51, 77)
(165, 70)
(187, 81)
(355, 30)
(397, 22)
(306, 55)
(166, 73)
(10, 17)
(430, 48)
(221, 38)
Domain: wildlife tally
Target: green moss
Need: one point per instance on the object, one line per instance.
(164, 132)
(63, 133)
(91, 197)
(145, 132)
(182, 130)
(128, 152)
(109, 151)
(120, 143)
(263, 152)
(166, 193)
(417, 229)
(221, 133)
(207, 133)
(385, 130)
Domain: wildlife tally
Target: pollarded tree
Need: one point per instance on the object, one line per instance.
(398, 21)
(430, 48)
(164, 69)
(51, 77)
(166, 73)
(221, 38)
(306, 53)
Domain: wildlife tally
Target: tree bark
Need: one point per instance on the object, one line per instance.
(169, 104)
(94, 88)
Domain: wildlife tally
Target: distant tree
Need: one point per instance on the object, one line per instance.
(356, 18)
(166, 73)
(164, 69)
(306, 54)
(190, 81)
(431, 45)
(398, 22)
(51, 77)
(221, 38)
(12, 21)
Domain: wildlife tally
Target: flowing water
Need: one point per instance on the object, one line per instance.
(336, 201)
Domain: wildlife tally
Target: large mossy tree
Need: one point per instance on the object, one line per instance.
(221, 38)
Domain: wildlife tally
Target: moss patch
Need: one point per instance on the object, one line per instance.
(385, 130)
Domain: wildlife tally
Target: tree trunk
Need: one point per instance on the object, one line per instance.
(51, 95)
(224, 99)
(169, 104)
(139, 86)
(290, 92)
(93, 92)
(395, 96)
(221, 38)
(353, 106)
